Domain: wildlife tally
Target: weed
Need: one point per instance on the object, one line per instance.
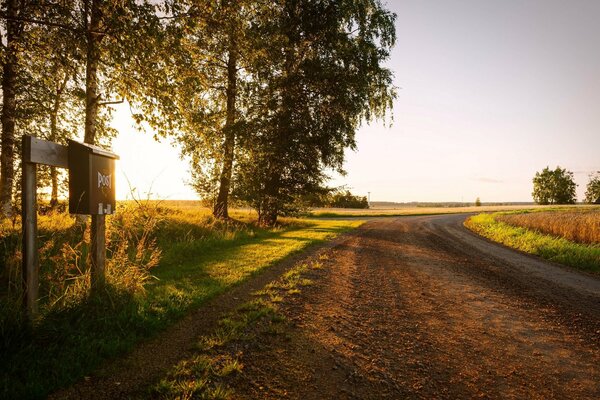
(229, 367)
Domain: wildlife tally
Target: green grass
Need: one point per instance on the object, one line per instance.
(199, 259)
(557, 249)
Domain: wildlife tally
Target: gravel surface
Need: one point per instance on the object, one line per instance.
(419, 307)
(410, 307)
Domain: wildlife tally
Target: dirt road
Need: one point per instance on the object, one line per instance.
(419, 307)
(410, 307)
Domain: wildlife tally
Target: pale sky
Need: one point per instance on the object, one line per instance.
(491, 92)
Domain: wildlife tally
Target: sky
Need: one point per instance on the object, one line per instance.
(489, 92)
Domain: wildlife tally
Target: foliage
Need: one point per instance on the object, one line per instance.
(558, 249)
(554, 187)
(345, 199)
(332, 197)
(48, 83)
(319, 75)
(477, 202)
(592, 193)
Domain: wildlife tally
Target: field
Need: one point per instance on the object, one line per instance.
(582, 226)
(566, 236)
(162, 262)
(414, 210)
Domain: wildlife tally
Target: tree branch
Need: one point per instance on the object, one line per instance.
(106, 103)
(38, 21)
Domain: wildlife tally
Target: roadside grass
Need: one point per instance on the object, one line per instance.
(162, 262)
(217, 359)
(553, 248)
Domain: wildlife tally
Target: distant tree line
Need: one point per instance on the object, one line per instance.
(335, 198)
(558, 187)
(263, 96)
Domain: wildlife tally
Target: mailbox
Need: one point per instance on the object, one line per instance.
(91, 179)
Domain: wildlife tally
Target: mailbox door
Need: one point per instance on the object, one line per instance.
(102, 185)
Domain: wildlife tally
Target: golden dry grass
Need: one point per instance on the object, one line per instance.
(582, 226)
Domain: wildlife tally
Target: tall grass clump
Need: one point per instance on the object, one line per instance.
(60, 343)
(581, 226)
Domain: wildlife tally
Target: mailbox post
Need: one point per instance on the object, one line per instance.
(91, 191)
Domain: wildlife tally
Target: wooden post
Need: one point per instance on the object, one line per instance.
(30, 264)
(98, 252)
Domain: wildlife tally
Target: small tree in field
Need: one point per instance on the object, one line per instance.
(477, 202)
(554, 186)
(592, 193)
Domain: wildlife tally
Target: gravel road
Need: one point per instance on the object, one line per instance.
(419, 307)
(410, 307)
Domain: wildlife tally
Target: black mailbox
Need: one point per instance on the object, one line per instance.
(91, 179)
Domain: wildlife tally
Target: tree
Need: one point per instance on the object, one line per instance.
(10, 67)
(345, 199)
(554, 186)
(48, 46)
(321, 76)
(207, 62)
(477, 202)
(50, 84)
(592, 193)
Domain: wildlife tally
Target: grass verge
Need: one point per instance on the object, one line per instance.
(193, 259)
(553, 248)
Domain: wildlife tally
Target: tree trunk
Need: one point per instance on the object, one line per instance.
(91, 72)
(54, 137)
(54, 192)
(269, 209)
(221, 205)
(97, 229)
(270, 204)
(7, 168)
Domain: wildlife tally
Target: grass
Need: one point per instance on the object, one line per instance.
(218, 356)
(550, 247)
(162, 263)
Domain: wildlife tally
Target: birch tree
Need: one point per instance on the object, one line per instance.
(321, 76)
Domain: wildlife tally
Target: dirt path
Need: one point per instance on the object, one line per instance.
(418, 307)
(411, 307)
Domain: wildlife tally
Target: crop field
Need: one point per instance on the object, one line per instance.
(582, 226)
(413, 210)
(567, 236)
